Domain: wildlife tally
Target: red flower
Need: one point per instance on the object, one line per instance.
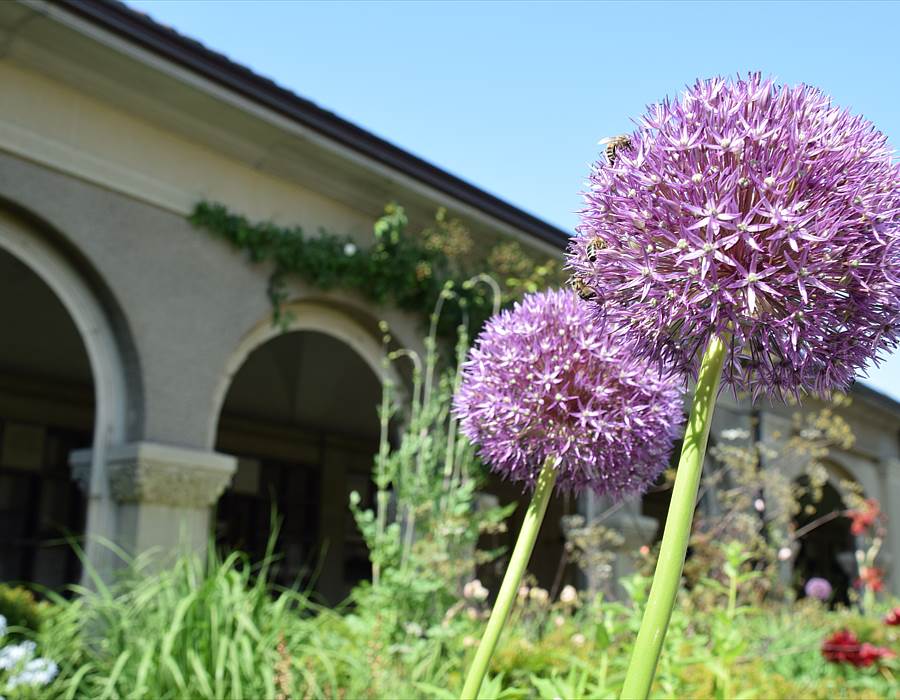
(844, 647)
(893, 617)
(871, 577)
(839, 646)
(863, 519)
(869, 654)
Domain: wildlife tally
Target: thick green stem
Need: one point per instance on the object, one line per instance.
(674, 545)
(511, 580)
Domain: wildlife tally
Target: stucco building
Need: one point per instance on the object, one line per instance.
(145, 395)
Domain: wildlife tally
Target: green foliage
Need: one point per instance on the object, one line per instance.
(747, 496)
(492, 688)
(399, 268)
(392, 271)
(198, 630)
(221, 631)
(422, 533)
(20, 608)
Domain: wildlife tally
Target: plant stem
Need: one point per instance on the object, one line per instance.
(511, 580)
(381, 476)
(732, 597)
(676, 534)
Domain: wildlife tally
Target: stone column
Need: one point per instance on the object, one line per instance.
(633, 528)
(161, 496)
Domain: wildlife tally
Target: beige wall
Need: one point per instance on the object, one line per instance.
(53, 124)
(183, 301)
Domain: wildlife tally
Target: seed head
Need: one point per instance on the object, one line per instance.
(544, 381)
(796, 224)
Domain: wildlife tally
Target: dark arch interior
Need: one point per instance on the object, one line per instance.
(301, 417)
(46, 411)
(826, 550)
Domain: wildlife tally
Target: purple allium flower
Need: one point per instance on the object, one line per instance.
(761, 213)
(818, 588)
(544, 381)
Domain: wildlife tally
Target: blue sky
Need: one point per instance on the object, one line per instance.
(514, 96)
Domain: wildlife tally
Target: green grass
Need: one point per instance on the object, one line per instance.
(219, 630)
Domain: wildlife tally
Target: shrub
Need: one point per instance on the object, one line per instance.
(20, 608)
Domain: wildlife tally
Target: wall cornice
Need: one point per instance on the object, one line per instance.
(90, 58)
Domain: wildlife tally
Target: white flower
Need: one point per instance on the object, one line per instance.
(475, 591)
(413, 629)
(784, 554)
(568, 595)
(350, 249)
(37, 672)
(735, 434)
(578, 639)
(559, 620)
(523, 592)
(13, 655)
(759, 504)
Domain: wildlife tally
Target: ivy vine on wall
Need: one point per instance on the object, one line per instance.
(400, 268)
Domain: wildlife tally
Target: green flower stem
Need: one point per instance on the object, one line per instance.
(667, 578)
(511, 580)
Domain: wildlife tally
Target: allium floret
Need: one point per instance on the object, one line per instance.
(764, 214)
(543, 381)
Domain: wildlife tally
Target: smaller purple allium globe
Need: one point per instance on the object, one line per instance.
(543, 381)
(763, 214)
(818, 588)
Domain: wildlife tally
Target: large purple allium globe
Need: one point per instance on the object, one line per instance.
(760, 213)
(543, 381)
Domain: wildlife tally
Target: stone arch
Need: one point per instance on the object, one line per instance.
(30, 244)
(839, 474)
(303, 316)
(297, 407)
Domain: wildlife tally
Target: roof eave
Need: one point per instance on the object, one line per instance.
(141, 30)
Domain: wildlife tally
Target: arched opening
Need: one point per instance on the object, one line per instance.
(300, 415)
(46, 411)
(825, 542)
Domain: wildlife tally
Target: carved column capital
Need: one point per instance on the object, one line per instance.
(151, 473)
